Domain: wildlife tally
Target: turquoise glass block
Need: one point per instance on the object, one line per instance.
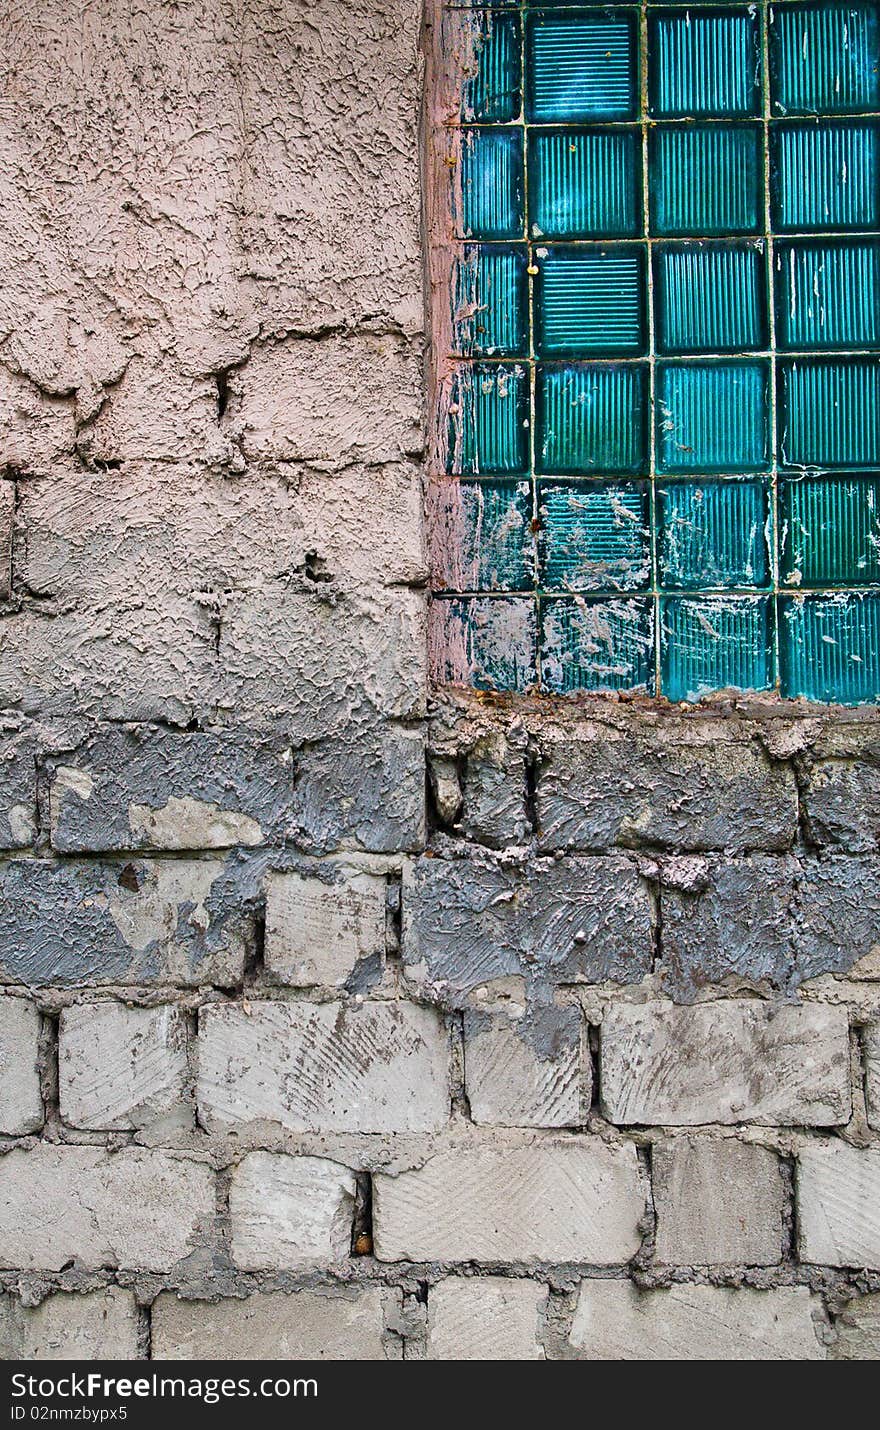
(829, 531)
(597, 644)
(706, 179)
(585, 183)
(829, 647)
(493, 91)
(581, 67)
(492, 183)
(594, 536)
(485, 642)
(488, 421)
(710, 297)
(830, 413)
(824, 58)
(711, 643)
(711, 417)
(592, 419)
(491, 314)
(828, 294)
(704, 64)
(825, 176)
(713, 535)
(590, 302)
(491, 545)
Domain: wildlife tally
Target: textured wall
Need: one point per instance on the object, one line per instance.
(571, 1049)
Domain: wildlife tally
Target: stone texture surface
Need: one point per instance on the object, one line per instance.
(290, 1212)
(718, 1201)
(842, 803)
(318, 932)
(380, 1067)
(472, 921)
(98, 1325)
(485, 1318)
(527, 1073)
(137, 1207)
(122, 1068)
(21, 1103)
(616, 1321)
(858, 1330)
(728, 1061)
(495, 793)
(549, 1201)
(306, 1325)
(838, 1201)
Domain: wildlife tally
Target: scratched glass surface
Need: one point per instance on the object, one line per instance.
(666, 336)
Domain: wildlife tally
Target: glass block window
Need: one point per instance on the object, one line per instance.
(658, 459)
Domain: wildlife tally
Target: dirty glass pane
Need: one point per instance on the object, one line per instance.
(662, 417)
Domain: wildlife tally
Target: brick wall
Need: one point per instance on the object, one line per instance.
(339, 1018)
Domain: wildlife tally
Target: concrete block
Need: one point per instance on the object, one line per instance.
(122, 1068)
(728, 1061)
(364, 791)
(341, 1067)
(304, 1325)
(97, 1325)
(871, 1046)
(719, 1202)
(21, 1103)
(485, 1318)
(290, 1212)
(838, 1203)
(529, 1072)
(318, 933)
(858, 1330)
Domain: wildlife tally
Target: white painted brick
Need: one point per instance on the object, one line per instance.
(728, 1061)
(719, 1202)
(511, 1082)
(98, 1325)
(573, 1200)
(122, 1068)
(615, 1321)
(290, 1211)
(838, 1200)
(138, 1207)
(872, 1073)
(342, 1067)
(306, 1325)
(858, 1330)
(21, 1106)
(485, 1318)
(317, 932)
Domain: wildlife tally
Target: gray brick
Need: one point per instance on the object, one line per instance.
(838, 1201)
(842, 804)
(21, 1104)
(872, 1073)
(135, 1208)
(494, 811)
(126, 921)
(527, 1072)
(479, 1204)
(485, 1318)
(365, 790)
(97, 1325)
(728, 1061)
(19, 749)
(839, 907)
(122, 1068)
(290, 1212)
(305, 1325)
(858, 1330)
(672, 789)
(321, 933)
(719, 1202)
(343, 1067)
(470, 921)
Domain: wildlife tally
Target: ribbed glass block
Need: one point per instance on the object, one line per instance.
(581, 67)
(828, 294)
(823, 58)
(829, 531)
(491, 315)
(825, 176)
(597, 644)
(488, 421)
(592, 418)
(594, 537)
(713, 534)
(704, 64)
(709, 297)
(489, 536)
(711, 643)
(829, 647)
(830, 413)
(711, 417)
(706, 179)
(585, 183)
(487, 642)
(493, 90)
(590, 302)
(492, 183)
